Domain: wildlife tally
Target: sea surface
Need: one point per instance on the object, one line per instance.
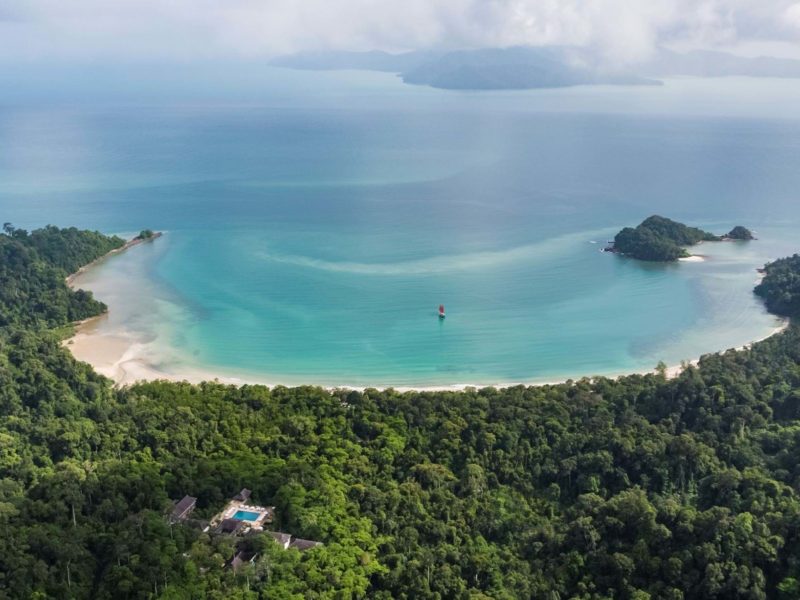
(313, 230)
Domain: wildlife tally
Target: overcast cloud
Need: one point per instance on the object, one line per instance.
(621, 30)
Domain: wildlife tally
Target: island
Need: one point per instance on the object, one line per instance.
(513, 68)
(659, 239)
(740, 233)
(146, 234)
(535, 67)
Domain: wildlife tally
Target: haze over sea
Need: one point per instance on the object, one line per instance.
(313, 229)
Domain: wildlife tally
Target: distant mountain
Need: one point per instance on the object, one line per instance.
(487, 69)
(528, 67)
(705, 63)
(514, 68)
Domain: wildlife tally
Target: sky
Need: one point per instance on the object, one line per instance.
(621, 31)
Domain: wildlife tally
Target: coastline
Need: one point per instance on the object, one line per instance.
(70, 279)
(676, 370)
(127, 357)
(125, 361)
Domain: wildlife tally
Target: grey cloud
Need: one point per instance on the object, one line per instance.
(621, 30)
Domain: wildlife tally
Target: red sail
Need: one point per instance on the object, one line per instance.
(441, 309)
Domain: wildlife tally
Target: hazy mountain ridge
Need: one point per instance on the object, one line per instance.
(538, 67)
(514, 68)
(706, 63)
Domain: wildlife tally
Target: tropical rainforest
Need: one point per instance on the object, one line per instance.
(660, 239)
(638, 487)
(780, 287)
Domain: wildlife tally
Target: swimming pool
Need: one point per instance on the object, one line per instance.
(246, 515)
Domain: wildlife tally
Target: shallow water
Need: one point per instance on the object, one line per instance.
(313, 243)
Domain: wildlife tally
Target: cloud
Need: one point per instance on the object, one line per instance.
(620, 30)
(792, 16)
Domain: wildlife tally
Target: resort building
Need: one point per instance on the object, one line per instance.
(242, 558)
(251, 517)
(303, 545)
(239, 518)
(232, 527)
(283, 539)
(286, 541)
(182, 509)
(243, 496)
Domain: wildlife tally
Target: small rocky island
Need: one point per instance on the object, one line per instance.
(147, 234)
(659, 239)
(739, 233)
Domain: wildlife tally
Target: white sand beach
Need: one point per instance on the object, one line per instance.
(126, 361)
(128, 352)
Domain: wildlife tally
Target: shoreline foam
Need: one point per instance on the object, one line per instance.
(127, 359)
(124, 360)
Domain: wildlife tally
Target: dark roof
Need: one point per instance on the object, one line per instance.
(230, 526)
(242, 558)
(184, 507)
(282, 538)
(304, 544)
(243, 496)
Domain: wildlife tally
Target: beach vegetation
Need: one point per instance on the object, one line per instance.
(636, 487)
(659, 239)
(33, 267)
(780, 287)
(69, 249)
(644, 244)
(740, 233)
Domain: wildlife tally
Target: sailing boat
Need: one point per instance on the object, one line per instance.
(441, 311)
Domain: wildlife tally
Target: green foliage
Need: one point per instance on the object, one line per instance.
(145, 234)
(32, 272)
(644, 244)
(659, 239)
(640, 487)
(780, 287)
(740, 233)
(677, 232)
(68, 249)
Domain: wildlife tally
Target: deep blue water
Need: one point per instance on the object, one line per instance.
(312, 241)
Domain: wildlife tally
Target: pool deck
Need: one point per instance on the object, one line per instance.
(265, 514)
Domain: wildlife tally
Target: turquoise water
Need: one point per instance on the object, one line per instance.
(246, 515)
(312, 241)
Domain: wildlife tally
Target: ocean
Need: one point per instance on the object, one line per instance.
(312, 231)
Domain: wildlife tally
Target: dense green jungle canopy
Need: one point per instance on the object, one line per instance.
(640, 487)
(660, 239)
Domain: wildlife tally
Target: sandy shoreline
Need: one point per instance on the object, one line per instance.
(124, 360)
(129, 244)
